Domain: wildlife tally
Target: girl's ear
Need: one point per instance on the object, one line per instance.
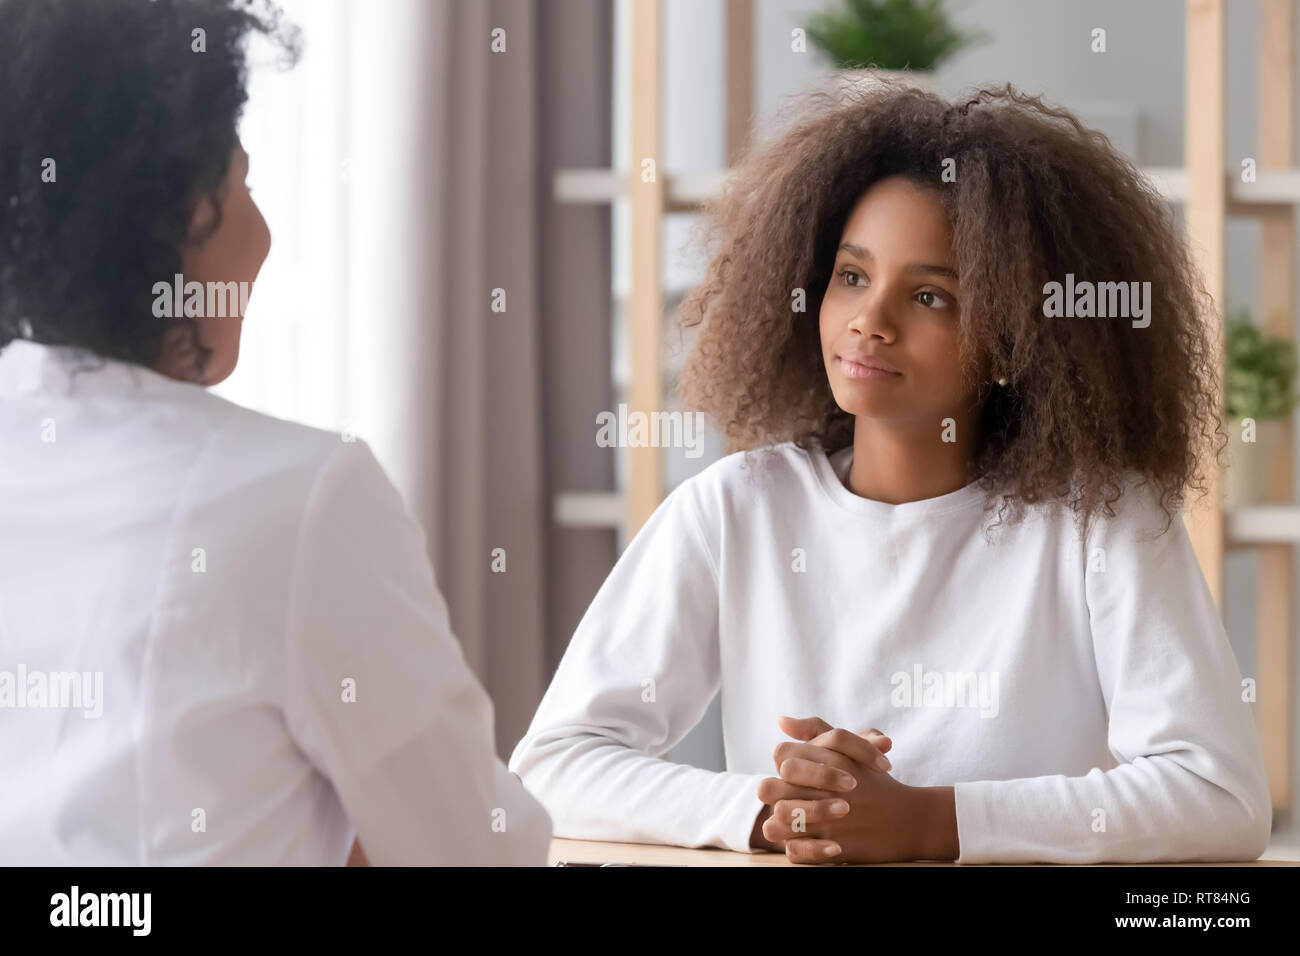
(203, 219)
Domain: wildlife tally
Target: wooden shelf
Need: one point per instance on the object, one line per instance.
(590, 509)
(588, 185)
(682, 193)
(1247, 527)
(686, 192)
(1264, 524)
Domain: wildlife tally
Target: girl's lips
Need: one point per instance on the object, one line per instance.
(857, 370)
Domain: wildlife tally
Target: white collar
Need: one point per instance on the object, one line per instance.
(33, 368)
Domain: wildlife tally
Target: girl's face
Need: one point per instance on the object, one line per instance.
(889, 319)
(233, 253)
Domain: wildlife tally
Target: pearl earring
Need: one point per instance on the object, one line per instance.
(1002, 382)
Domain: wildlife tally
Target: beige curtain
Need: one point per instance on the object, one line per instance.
(480, 415)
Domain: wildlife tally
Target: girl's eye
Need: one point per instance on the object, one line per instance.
(847, 274)
(942, 301)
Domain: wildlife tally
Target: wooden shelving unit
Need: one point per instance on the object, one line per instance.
(1276, 638)
(645, 307)
(1210, 190)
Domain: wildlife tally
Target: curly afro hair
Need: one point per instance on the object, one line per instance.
(140, 126)
(1091, 403)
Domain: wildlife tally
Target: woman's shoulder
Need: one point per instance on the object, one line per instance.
(1134, 508)
(263, 454)
(255, 428)
(745, 478)
(769, 464)
(250, 432)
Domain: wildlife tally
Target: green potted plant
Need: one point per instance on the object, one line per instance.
(1258, 396)
(868, 39)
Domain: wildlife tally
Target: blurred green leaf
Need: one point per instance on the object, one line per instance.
(888, 34)
(1259, 381)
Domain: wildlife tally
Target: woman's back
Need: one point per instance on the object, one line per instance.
(213, 624)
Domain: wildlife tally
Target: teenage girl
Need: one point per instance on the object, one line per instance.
(951, 515)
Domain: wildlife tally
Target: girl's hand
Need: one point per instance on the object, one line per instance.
(878, 826)
(817, 732)
(835, 801)
(820, 805)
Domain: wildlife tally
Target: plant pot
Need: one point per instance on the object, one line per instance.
(1249, 463)
(861, 81)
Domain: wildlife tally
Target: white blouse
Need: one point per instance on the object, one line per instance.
(1080, 696)
(221, 642)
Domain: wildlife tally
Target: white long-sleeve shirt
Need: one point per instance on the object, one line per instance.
(1080, 714)
(275, 664)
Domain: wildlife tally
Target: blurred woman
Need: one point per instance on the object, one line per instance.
(221, 632)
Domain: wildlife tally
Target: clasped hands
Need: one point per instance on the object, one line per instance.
(834, 801)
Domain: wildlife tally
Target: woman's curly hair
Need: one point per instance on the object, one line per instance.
(1036, 195)
(140, 127)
